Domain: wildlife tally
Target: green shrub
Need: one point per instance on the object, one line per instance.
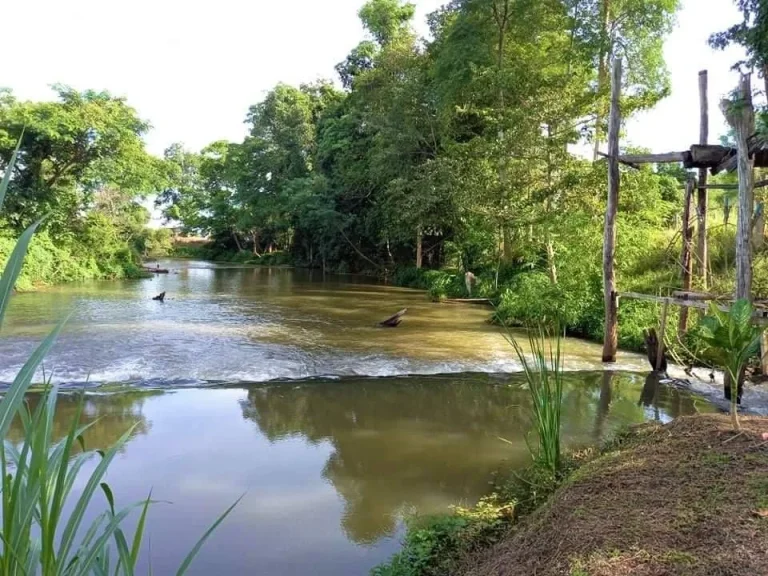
(436, 545)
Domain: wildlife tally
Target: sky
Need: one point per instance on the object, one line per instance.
(192, 68)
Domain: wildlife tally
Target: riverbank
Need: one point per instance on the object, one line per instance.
(689, 497)
(48, 263)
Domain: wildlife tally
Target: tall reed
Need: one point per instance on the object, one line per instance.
(543, 370)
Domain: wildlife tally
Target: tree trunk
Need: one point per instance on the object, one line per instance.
(610, 336)
(507, 245)
(419, 243)
(602, 72)
(702, 255)
(686, 258)
(741, 117)
(255, 240)
(758, 228)
(237, 241)
(551, 262)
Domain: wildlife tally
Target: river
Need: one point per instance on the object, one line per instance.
(276, 384)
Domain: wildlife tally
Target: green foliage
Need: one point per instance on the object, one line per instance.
(436, 545)
(730, 340)
(82, 163)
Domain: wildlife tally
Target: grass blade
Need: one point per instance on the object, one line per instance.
(13, 267)
(191, 556)
(12, 400)
(9, 170)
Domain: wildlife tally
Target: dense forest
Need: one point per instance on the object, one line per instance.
(474, 149)
(464, 152)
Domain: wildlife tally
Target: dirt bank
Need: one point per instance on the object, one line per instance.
(685, 498)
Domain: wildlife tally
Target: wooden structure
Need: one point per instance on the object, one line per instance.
(751, 152)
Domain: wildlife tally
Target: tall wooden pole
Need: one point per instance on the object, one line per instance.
(741, 116)
(686, 258)
(610, 335)
(702, 255)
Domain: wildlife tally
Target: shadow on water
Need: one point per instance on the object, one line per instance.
(423, 443)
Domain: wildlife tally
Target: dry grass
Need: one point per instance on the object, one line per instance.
(676, 499)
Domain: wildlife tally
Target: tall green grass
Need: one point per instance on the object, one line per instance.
(39, 474)
(543, 370)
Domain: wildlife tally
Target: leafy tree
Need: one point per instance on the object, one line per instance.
(751, 33)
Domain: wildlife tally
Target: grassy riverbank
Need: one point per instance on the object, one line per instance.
(683, 498)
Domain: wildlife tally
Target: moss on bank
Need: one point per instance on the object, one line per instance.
(683, 498)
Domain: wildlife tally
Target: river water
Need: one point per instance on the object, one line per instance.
(276, 384)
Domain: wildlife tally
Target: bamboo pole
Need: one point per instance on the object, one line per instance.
(610, 335)
(741, 117)
(701, 196)
(686, 259)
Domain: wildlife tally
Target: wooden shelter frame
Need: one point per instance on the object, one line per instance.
(706, 158)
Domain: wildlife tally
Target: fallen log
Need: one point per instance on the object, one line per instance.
(160, 297)
(394, 321)
(157, 270)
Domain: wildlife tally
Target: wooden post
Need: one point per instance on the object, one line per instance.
(741, 116)
(610, 335)
(419, 245)
(764, 352)
(686, 258)
(702, 256)
(662, 333)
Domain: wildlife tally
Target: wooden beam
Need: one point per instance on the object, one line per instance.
(700, 296)
(757, 151)
(759, 184)
(686, 258)
(611, 333)
(702, 252)
(630, 164)
(760, 315)
(665, 158)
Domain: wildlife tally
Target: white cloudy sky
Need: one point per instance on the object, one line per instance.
(193, 67)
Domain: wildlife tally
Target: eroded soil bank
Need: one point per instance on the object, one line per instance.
(687, 498)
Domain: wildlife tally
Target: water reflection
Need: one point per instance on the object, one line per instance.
(424, 443)
(110, 416)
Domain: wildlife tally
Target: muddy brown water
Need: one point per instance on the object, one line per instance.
(275, 384)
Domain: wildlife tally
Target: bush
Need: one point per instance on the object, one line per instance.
(436, 545)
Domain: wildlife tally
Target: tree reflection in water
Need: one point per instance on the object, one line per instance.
(425, 443)
(111, 415)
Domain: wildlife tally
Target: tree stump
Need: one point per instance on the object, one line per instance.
(393, 321)
(652, 349)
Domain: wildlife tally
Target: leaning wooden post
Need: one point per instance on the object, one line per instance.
(686, 258)
(741, 116)
(610, 335)
(662, 334)
(701, 197)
